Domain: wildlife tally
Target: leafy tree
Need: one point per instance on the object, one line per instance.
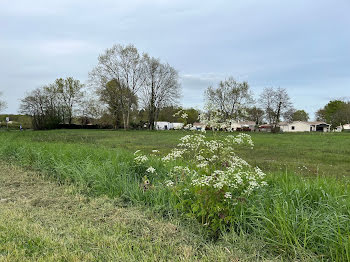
(255, 114)
(192, 115)
(122, 64)
(70, 92)
(300, 115)
(231, 98)
(118, 99)
(331, 113)
(343, 114)
(168, 114)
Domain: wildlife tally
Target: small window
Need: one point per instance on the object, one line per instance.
(293, 127)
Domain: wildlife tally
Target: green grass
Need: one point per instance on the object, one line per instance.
(304, 213)
(54, 223)
(306, 153)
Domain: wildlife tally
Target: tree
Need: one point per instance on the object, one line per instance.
(342, 116)
(3, 104)
(161, 87)
(168, 113)
(90, 110)
(70, 91)
(275, 102)
(231, 98)
(119, 99)
(300, 115)
(122, 64)
(255, 114)
(333, 113)
(44, 106)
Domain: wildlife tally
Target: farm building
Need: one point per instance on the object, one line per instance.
(300, 126)
(198, 126)
(242, 126)
(177, 125)
(163, 125)
(265, 128)
(345, 128)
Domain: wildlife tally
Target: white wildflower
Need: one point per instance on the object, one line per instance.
(150, 170)
(140, 159)
(169, 183)
(228, 195)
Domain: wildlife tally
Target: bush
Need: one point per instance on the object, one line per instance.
(212, 180)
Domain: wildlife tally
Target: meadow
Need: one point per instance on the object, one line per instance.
(303, 214)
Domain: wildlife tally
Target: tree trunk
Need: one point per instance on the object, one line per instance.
(151, 117)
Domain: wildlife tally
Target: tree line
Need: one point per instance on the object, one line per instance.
(129, 89)
(125, 85)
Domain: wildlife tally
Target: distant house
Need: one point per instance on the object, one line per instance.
(345, 128)
(243, 126)
(162, 125)
(177, 126)
(301, 126)
(265, 128)
(198, 126)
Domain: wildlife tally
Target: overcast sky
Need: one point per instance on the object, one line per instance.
(300, 45)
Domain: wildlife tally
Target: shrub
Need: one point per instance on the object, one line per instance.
(211, 180)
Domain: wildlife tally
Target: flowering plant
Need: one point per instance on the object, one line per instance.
(216, 178)
(208, 178)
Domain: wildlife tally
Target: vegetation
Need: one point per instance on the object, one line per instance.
(134, 90)
(302, 213)
(53, 104)
(230, 98)
(134, 77)
(336, 112)
(3, 104)
(275, 103)
(59, 224)
(300, 115)
(16, 121)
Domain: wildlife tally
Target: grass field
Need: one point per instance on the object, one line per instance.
(307, 153)
(42, 221)
(304, 214)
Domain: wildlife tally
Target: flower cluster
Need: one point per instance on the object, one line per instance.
(215, 163)
(214, 177)
(139, 159)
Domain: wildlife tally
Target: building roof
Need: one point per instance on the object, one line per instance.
(313, 123)
(243, 123)
(318, 123)
(198, 124)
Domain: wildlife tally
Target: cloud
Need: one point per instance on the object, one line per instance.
(64, 47)
(300, 45)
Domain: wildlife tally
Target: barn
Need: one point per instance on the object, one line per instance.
(301, 126)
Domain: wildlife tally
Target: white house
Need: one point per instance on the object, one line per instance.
(198, 126)
(301, 126)
(345, 127)
(177, 126)
(162, 125)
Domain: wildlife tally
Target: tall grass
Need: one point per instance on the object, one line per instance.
(296, 217)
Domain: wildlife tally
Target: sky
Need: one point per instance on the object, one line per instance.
(300, 45)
